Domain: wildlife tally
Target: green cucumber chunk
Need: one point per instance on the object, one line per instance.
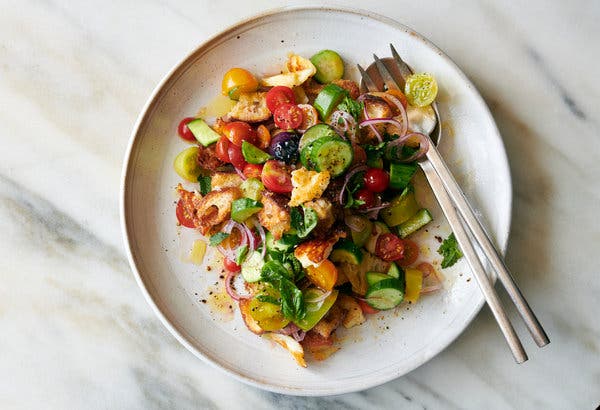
(253, 154)
(243, 208)
(401, 174)
(395, 271)
(385, 294)
(328, 99)
(315, 311)
(374, 277)
(314, 133)
(252, 188)
(346, 251)
(252, 266)
(203, 133)
(331, 154)
(329, 64)
(416, 222)
(401, 209)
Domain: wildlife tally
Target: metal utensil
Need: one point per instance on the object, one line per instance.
(389, 73)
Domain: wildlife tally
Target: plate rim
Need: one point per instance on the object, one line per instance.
(149, 107)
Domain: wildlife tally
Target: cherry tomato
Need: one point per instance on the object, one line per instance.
(368, 197)
(376, 180)
(411, 253)
(360, 156)
(183, 130)
(231, 266)
(183, 217)
(323, 275)
(253, 170)
(236, 157)
(279, 95)
(287, 116)
(389, 247)
(222, 149)
(310, 116)
(236, 81)
(276, 177)
(263, 137)
(239, 131)
(366, 308)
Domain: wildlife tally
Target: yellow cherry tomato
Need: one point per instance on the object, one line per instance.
(420, 89)
(266, 314)
(236, 81)
(323, 275)
(186, 166)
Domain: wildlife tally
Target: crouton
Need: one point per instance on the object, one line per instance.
(214, 209)
(296, 71)
(290, 345)
(354, 314)
(275, 214)
(330, 322)
(376, 107)
(324, 211)
(251, 324)
(251, 107)
(315, 251)
(350, 86)
(207, 158)
(220, 180)
(307, 185)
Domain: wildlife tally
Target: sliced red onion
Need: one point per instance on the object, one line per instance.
(263, 238)
(373, 121)
(403, 114)
(289, 329)
(348, 128)
(366, 115)
(230, 290)
(251, 238)
(299, 335)
(399, 142)
(349, 175)
(240, 173)
(377, 208)
(432, 288)
(320, 298)
(228, 228)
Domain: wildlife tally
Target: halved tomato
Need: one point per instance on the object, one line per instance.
(310, 116)
(389, 247)
(238, 132)
(323, 275)
(236, 157)
(287, 117)
(279, 95)
(253, 170)
(222, 149)
(366, 308)
(183, 216)
(276, 177)
(231, 266)
(411, 253)
(263, 137)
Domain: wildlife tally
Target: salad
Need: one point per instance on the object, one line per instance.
(305, 188)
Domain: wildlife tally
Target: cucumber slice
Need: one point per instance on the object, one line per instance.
(385, 294)
(401, 174)
(284, 244)
(254, 155)
(331, 154)
(401, 208)
(329, 64)
(243, 208)
(346, 251)
(252, 266)
(314, 133)
(395, 271)
(378, 229)
(328, 99)
(203, 133)
(416, 222)
(374, 277)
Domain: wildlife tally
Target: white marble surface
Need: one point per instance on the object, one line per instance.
(76, 331)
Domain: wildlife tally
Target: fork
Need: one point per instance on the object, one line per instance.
(456, 208)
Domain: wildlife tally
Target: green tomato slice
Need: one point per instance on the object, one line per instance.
(420, 89)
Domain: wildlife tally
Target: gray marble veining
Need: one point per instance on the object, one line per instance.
(76, 332)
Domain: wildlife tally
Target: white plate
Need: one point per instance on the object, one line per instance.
(371, 354)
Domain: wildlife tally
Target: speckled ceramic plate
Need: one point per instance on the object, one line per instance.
(389, 345)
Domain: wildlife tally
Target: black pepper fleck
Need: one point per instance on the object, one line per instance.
(438, 238)
(208, 268)
(238, 37)
(221, 277)
(203, 300)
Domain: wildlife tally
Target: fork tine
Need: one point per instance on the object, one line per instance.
(386, 76)
(405, 70)
(367, 80)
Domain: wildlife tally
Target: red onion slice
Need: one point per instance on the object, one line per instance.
(263, 238)
(349, 175)
(228, 228)
(348, 128)
(399, 143)
(230, 290)
(240, 173)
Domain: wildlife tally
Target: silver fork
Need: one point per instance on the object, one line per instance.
(389, 73)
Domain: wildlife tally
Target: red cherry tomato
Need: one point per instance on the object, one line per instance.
(253, 170)
(222, 149)
(366, 308)
(231, 266)
(239, 131)
(276, 177)
(376, 180)
(411, 253)
(368, 197)
(279, 95)
(183, 217)
(236, 157)
(287, 116)
(183, 130)
(360, 156)
(389, 247)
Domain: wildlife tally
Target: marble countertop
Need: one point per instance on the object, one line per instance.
(76, 330)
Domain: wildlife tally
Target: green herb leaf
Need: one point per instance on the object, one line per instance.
(351, 202)
(268, 299)
(352, 107)
(303, 224)
(450, 251)
(217, 238)
(241, 254)
(292, 300)
(205, 185)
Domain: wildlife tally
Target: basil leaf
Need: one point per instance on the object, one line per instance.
(241, 254)
(450, 251)
(217, 238)
(303, 224)
(205, 185)
(268, 299)
(292, 301)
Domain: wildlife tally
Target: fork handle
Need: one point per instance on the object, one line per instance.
(483, 239)
(483, 280)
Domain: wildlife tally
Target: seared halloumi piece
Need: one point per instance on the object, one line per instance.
(354, 314)
(251, 107)
(296, 71)
(275, 214)
(307, 185)
(315, 251)
(220, 180)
